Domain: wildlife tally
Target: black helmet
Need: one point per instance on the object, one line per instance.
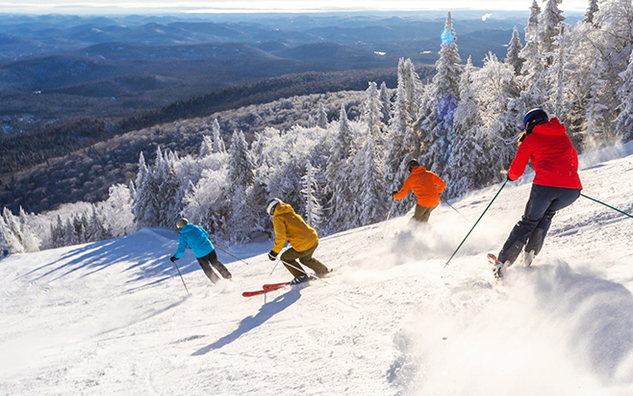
(412, 164)
(533, 118)
(181, 223)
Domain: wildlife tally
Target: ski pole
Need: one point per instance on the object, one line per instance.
(451, 206)
(608, 206)
(181, 278)
(477, 222)
(235, 257)
(301, 270)
(276, 263)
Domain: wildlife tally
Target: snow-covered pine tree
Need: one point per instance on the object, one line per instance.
(615, 19)
(117, 211)
(596, 113)
(29, 240)
(12, 232)
(310, 192)
(168, 194)
(5, 246)
(438, 125)
(513, 57)
(550, 28)
(206, 147)
(218, 142)
(591, 11)
(385, 100)
(372, 200)
(241, 169)
(412, 88)
(559, 75)
(470, 166)
(395, 172)
(496, 87)
(144, 207)
(321, 121)
(624, 128)
(533, 83)
(338, 178)
(372, 116)
(240, 180)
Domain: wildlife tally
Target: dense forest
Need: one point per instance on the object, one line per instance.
(462, 124)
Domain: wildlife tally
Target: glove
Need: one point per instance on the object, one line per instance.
(394, 193)
(272, 256)
(173, 259)
(508, 176)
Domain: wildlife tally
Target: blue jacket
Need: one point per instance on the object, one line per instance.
(196, 238)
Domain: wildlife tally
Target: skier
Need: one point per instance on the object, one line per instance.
(556, 185)
(302, 238)
(427, 186)
(198, 240)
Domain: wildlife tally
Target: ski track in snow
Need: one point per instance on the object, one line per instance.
(113, 318)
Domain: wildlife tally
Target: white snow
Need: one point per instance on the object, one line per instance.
(113, 318)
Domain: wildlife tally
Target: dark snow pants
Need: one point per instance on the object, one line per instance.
(210, 260)
(421, 215)
(290, 256)
(543, 204)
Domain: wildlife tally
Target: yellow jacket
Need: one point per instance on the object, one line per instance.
(289, 225)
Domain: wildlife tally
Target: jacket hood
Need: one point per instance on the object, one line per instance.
(282, 208)
(551, 127)
(418, 169)
(186, 228)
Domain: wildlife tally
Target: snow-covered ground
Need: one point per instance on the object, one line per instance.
(113, 318)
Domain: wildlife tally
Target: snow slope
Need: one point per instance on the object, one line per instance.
(113, 318)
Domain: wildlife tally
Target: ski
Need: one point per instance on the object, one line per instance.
(264, 291)
(275, 286)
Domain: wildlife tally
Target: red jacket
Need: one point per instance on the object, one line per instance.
(426, 185)
(553, 157)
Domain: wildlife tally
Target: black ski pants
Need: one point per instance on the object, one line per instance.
(530, 231)
(209, 261)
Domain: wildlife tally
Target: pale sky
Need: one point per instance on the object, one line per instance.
(228, 6)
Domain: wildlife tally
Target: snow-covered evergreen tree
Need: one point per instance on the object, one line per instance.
(241, 167)
(496, 87)
(513, 57)
(29, 240)
(338, 175)
(206, 147)
(321, 121)
(385, 100)
(438, 126)
(395, 172)
(117, 211)
(12, 232)
(470, 166)
(218, 142)
(624, 128)
(534, 82)
(550, 28)
(591, 11)
(371, 198)
(372, 116)
(310, 192)
(5, 236)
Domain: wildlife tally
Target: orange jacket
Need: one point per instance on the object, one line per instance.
(426, 185)
(289, 225)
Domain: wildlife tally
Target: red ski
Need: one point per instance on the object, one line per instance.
(265, 290)
(275, 286)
